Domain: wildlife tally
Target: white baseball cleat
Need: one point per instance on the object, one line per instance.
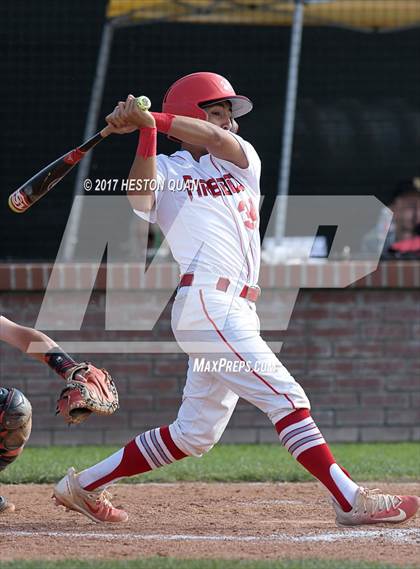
(371, 507)
(95, 504)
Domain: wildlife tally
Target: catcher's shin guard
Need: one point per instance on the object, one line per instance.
(15, 424)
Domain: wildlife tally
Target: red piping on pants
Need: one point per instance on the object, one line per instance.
(238, 355)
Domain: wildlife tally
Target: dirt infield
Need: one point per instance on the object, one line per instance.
(194, 520)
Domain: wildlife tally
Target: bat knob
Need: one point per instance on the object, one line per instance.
(19, 201)
(143, 102)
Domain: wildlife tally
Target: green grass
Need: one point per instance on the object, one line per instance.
(227, 463)
(159, 563)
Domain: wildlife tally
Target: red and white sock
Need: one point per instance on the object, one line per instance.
(302, 438)
(146, 452)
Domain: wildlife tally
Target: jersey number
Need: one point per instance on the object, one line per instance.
(248, 213)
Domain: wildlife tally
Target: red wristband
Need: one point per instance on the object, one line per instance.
(147, 142)
(163, 121)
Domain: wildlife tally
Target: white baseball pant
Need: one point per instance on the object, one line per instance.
(228, 359)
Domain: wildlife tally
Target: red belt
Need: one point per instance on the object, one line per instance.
(249, 292)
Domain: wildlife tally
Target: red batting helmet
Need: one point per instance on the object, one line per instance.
(187, 95)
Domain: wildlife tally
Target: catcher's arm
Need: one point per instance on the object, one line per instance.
(88, 389)
(21, 337)
(47, 351)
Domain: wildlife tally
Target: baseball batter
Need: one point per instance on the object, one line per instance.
(205, 198)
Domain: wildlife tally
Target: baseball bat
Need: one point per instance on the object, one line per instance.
(44, 180)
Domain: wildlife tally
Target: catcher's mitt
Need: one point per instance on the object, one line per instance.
(88, 390)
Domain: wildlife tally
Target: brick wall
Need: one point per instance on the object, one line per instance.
(355, 351)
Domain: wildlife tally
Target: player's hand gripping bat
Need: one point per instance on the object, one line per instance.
(40, 184)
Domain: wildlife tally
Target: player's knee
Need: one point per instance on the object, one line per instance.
(197, 448)
(15, 424)
(193, 444)
(297, 399)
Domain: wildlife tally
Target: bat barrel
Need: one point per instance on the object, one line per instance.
(40, 184)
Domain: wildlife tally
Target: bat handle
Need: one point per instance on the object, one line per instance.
(106, 131)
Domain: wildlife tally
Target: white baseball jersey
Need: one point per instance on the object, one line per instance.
(209, 213)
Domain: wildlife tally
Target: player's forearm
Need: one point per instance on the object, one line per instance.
(217, 141)
(197, 132)
(37, 345)
(143, 174)
(27, 340)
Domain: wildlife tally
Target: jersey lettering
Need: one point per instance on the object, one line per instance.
(215, 187)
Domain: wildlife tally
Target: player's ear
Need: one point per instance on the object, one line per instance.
(235, 127)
